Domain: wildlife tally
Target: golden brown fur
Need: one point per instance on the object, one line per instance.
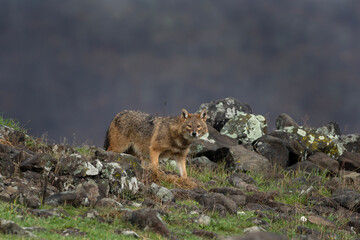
(156, 137)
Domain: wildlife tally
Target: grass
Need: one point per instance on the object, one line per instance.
(9, 122)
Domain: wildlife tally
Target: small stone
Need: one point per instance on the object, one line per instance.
(303, 219)
(254, 229)
(164, 194)
(203, 220)
(318, 220)
(10, 227)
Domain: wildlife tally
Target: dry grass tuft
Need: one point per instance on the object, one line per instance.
(158, 176)
(6, 142)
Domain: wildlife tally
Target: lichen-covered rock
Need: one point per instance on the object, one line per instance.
(162, 193)
(245, 127)
(75, 165)
(121, 179)
(350, 143)
(220, 111)
(315, 141)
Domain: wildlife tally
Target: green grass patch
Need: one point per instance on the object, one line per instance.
(12, 123)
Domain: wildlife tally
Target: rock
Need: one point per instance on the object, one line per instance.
(46, 213)
(239, 176)
(162, 193)
(121, 176)
(109, 203)
(227, 191)
(210, 202)
(257, 236)
(314, 141)
(318, 220)
(354, 224)
(71, 232)
(220, 111)
(284, 120)
(351, 177)
(242, 180)
(147, 218)
(61, 198)
(204, 234)
(347, 198)
(75, 165)
(246, 160)
(203, 220)
(325, 162)
(203, 162)
(274, 149)
(297, 152)
(87, 193)
(254, 229)
(127, 233)
(350, 161)
(9, 227)
(305, 166)
(245, 127)
(12, 135)
(331, 129)
(310, 233)
(350, 143)
(214, 146)
(38, 163)
(240, 200)
(9, 158)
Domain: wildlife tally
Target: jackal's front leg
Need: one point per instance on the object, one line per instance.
(154, 158)
(181, 164)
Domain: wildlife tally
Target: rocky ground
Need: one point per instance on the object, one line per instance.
(245, 182)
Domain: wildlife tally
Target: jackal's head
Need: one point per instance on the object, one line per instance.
(193, 125)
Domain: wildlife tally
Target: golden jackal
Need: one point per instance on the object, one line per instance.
(156, 137)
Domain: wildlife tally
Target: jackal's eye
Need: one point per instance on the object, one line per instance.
(189, 127)
(198, 126)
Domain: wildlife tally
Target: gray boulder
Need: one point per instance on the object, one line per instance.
(284, 120)
(347, 198)
(147, 218)
(247, 160)
(325, 162)
(220, 111)
(274, 149)
(350, 161)
(214, 146)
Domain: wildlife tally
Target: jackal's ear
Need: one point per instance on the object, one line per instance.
(184, 114)
(203, 114)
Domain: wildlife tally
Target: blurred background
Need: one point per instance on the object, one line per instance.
(67, 67)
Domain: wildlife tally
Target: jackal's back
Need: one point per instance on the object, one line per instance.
(127, 128)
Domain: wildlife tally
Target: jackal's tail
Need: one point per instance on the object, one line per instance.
(107, 140)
